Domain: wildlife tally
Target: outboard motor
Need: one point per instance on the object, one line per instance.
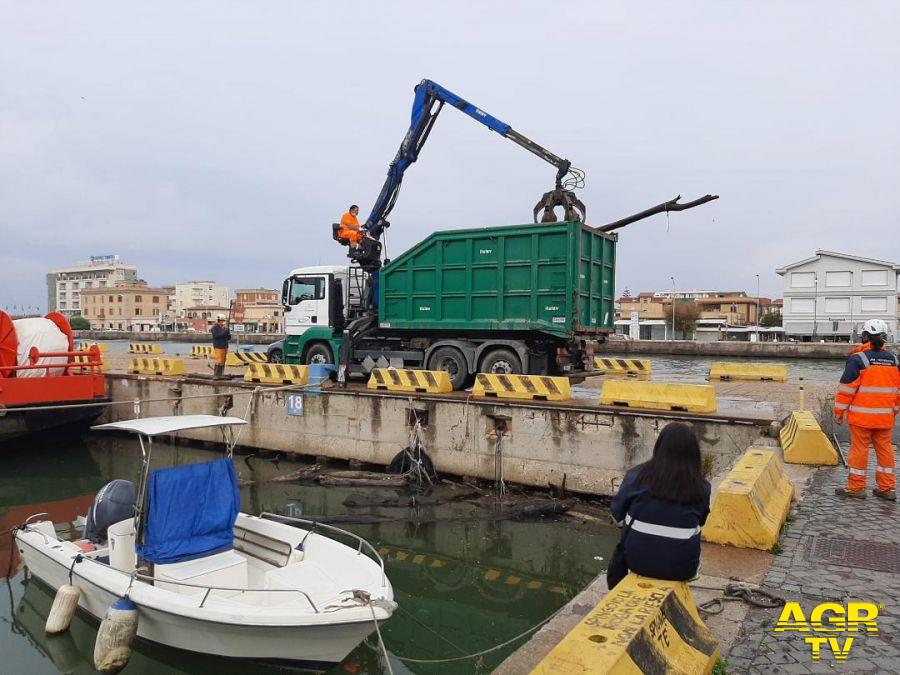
(115, 502)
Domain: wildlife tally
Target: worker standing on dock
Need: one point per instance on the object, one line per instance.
(870, 328)
(869, 396)
(220, 337)
(661, 506)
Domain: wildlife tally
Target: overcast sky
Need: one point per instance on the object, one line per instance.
(221, 139)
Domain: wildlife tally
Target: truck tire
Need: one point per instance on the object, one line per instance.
(451, 360)
(501, 362)
(318, 353)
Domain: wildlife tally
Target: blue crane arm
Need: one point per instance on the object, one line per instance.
(429, 100)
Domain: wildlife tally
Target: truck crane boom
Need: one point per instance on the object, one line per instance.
(429, 100)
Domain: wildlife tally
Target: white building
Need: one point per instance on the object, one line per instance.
(830, 295)
(200, 294)
(64, 285)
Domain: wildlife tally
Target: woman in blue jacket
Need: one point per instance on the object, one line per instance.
(660, 507)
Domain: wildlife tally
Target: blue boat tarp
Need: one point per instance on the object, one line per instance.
(191, 511)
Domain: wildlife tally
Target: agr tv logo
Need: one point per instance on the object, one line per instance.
(833, 618)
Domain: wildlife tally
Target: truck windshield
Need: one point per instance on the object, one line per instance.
(307, 288)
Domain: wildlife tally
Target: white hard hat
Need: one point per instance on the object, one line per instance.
(876, 327)
(221, 317)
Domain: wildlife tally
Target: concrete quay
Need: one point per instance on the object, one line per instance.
(577, 443)
(767, 350)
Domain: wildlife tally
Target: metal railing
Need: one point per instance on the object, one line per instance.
(317, 525)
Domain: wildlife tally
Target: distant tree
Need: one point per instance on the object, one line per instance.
(770, 320)
(686, 314)
(79, 323)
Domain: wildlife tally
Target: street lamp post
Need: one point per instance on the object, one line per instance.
(673, 308)
(757, 308)
(815, 305)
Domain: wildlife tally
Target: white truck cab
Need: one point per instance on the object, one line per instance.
(319, 297)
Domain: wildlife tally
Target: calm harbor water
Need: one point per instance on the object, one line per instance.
(462, 586)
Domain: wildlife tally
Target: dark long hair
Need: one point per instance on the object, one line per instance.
(674, 472)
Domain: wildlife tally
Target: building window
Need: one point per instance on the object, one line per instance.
(837, 305)
(874, 277)
(119, 299)
(156, 299)
(838, 279)
(137, 298)
(803, 305)
(873, 304)
(137, 311)
(110, 299)
(803, 279)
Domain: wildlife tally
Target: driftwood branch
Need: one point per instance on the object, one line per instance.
(671, 205)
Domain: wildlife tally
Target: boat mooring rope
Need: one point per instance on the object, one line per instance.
(452, 659)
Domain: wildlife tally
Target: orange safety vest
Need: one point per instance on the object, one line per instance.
(861, 348)
(869, 392)
(349, 222)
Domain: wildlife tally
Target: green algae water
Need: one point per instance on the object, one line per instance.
(463, 586)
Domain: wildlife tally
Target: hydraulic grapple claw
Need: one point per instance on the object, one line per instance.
(573, 208)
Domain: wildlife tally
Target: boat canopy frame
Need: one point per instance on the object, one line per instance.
(148, 427)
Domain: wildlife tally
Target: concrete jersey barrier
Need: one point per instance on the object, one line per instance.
(759, 372)
(752, 503)
(410, 381)
(696, 398)
(522, 387)
(276, 373)
(613, 366)
(804, 442)
(643, 625)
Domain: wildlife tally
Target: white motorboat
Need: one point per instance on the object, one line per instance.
(207, 578)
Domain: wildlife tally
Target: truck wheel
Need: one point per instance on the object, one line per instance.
(451, 360)
(501, 362)
(319, 353)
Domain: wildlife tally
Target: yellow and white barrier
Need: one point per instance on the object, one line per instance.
(244, 358)
(638, 367)
(697, 398)
(643, 625)
(760, 372)
(804, 442)
(752, 502)
(276, 373)
(84, 346)
(157, 366)
(201, 351)
(145, 348)
(522, 387)
(411, 381)
(104, 364)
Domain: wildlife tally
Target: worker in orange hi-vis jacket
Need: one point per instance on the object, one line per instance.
(876, 327)
(869, 398)
(349, 229)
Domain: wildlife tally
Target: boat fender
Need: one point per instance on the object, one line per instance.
(115, 636)
(63, 609)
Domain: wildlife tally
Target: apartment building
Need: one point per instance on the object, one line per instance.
(263, 312)
(200, 294)
(131, 306)
(65, 285)
(830, 295)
